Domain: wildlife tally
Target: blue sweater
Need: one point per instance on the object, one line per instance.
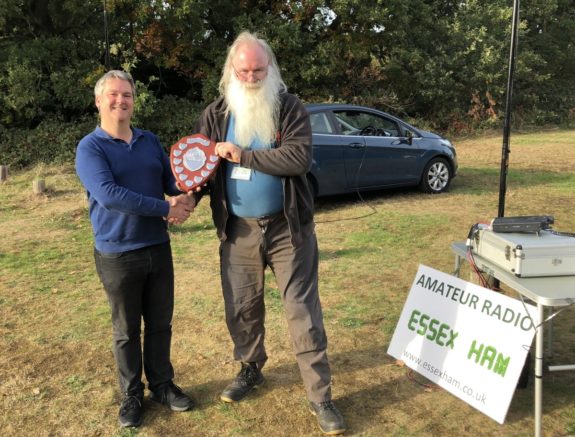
(126, 185)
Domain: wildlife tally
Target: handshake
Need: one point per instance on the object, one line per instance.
(180, 208)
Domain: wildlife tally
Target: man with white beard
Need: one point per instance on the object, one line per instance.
(262, 207)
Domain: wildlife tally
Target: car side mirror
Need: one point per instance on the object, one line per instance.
(409, 137)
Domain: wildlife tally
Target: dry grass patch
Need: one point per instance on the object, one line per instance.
(57, 375)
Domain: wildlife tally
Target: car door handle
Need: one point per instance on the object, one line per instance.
(357, 145)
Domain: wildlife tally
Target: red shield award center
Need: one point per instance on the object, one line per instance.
(193, 160)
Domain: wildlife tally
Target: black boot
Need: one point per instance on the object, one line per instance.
(329, 418)
(248, 378)
(131, 411)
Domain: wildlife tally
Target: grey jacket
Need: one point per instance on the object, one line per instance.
(290, 159)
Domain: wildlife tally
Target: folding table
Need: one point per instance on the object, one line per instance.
(551, 291)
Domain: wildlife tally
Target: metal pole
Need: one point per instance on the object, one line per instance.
(538, 399)
(506, 127)
(507, 124)
(107, 42)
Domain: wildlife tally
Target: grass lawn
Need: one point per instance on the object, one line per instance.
(57, 372)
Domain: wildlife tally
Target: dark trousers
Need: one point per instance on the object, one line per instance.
(140, 285)
(251, 246)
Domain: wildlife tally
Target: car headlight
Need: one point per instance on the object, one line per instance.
(447, 143)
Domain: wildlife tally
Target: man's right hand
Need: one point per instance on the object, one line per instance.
(180, 208)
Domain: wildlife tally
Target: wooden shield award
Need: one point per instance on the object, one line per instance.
(193, 160)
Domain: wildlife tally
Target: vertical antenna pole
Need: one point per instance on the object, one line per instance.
(107, 42)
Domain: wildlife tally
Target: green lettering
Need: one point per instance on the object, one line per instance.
(489, 356)
(501, 365)
(475, 351)
(423, 329)
(412, 320)
(452, 336)
(442, 334)
(432, 331)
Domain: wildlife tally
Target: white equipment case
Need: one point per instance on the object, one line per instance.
(527, 255)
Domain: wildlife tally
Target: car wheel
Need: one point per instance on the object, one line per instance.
(436, 176)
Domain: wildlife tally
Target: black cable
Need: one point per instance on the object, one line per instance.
(561, 234)
(483, 281)
(471, 236)
(361, 199)
(373, 211)
(357, 173)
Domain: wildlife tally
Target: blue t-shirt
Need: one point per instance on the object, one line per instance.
(258, 196)
(126, 185)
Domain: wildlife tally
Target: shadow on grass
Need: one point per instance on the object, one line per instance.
(285, 375)
(363, 404)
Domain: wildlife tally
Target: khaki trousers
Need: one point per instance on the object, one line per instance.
(251, 246)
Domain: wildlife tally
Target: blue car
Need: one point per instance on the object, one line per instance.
(357, 149)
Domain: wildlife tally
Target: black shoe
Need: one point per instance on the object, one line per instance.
(250, 377)
(329, 418)
(172, 396)
(130, 411)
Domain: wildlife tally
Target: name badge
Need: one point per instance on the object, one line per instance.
(241, 173)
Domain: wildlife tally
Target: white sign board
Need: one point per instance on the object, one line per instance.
(467, 339)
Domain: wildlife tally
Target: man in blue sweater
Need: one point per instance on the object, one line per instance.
(126, 174)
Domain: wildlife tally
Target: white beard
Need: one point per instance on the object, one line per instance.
(255, 107)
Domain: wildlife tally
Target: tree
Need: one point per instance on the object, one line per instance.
(442, 62)
(47, 55)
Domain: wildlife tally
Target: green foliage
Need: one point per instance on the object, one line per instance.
(171, 118)
(444, 63)
(47, 53)
(53, 140)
